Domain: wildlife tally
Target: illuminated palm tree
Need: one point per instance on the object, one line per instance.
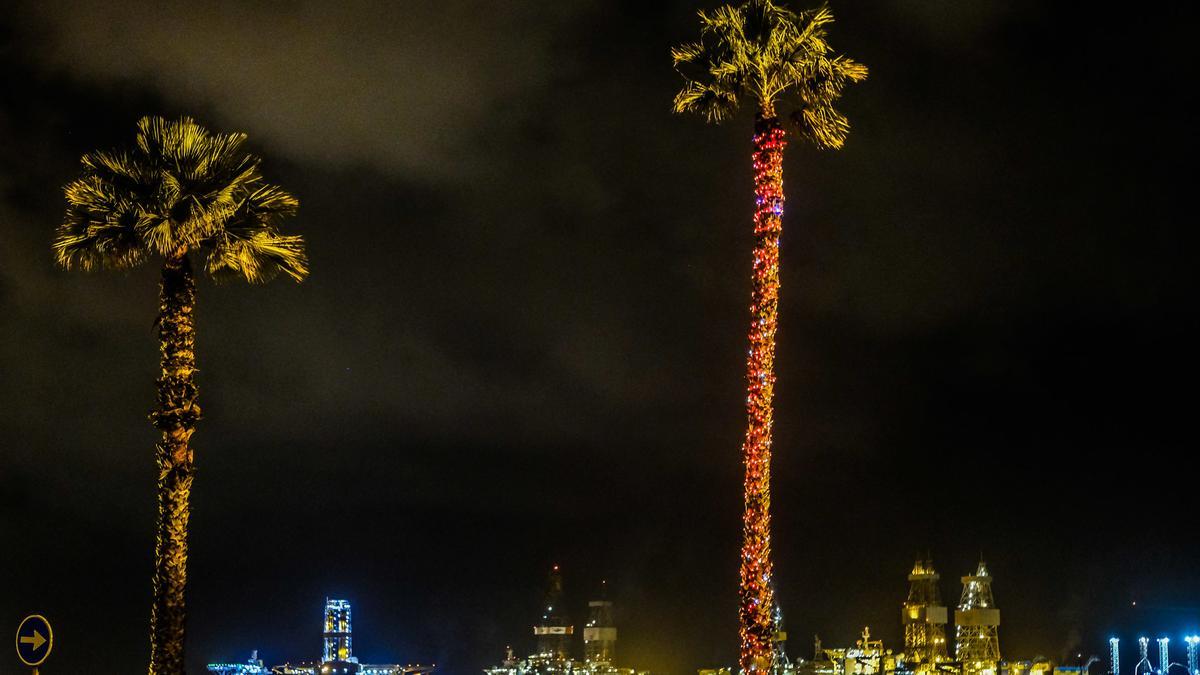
(180, 191)
(771, 56)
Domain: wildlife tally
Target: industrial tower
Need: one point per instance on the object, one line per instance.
(924, 618)
(600, 634)
(977, 643)
(337, 632)
(554, 631)
(780, 663)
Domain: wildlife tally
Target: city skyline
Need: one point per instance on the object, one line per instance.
(554, 637)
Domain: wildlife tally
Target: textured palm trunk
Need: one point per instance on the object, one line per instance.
(756, 591)
(175, 416)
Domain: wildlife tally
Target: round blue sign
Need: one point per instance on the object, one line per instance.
(34, 640)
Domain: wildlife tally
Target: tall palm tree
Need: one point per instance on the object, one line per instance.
(180, 191)
(763, 52)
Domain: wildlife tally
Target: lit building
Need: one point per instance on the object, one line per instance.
(337, 656)
(337, 632)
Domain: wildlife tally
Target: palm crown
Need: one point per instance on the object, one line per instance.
(765, 51)
(181, 189)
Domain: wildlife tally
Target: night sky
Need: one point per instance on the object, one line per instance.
(522, 341)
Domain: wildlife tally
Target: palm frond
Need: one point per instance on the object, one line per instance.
(765, 51)
(113, 165)
(817, 118)
(257, 256)
(99, 229)
(689, 52)
(250, 245)
(715, 103)
(726, 21)
(180, 188)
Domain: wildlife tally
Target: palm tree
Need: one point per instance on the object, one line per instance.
(766, 53)
(179, 191)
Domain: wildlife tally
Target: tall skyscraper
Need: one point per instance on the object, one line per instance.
(337, 632)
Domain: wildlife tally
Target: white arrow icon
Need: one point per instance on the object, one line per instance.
(37, 640)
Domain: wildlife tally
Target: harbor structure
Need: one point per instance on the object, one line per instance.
(977, 644)
(337, 654)
(867, 657)
(977, 625)
(554, 631)
(600, 633)
(924, 619)
(554, 640)
(1143, 664)
(253, 666)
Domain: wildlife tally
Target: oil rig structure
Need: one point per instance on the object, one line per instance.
(337, 655)
(977, 624)
(926, 651)
(924, 618)
(554, 636)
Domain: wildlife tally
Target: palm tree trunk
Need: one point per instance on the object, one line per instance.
(175, 416)
(756, 591)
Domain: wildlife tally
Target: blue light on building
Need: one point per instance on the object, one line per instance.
(337, 655)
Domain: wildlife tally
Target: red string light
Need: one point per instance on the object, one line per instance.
(756, 593)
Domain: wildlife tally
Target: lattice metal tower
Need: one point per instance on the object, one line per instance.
(924, 618)
(780, 663)
(554, 631)
(337, 631)
(600, 634)
(1192, 641)
(1114, 656)
(977, 623)
(1144, 651)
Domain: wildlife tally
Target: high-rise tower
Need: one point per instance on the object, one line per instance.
(924, 618)
(977, 622)
(554, 631)
(337, 632)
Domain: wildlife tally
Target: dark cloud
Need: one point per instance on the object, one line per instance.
(398, 85)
